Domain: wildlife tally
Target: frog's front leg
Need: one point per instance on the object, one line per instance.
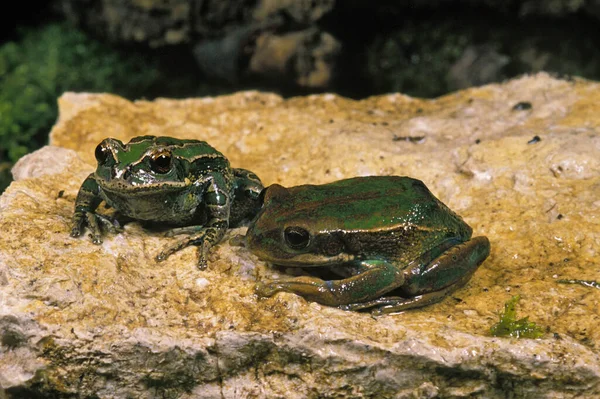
(376, 278)
(430, 282)
(88, 199)
(216, 201)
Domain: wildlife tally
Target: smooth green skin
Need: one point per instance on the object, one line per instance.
(381, 233)
(200, 192)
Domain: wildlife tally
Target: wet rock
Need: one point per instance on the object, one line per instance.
(83, 320)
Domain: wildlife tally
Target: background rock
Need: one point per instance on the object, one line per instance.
(355, 47)
(231, 40)
(79, 320)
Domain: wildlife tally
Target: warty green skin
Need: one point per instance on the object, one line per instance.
(197, 191)
(380, 233)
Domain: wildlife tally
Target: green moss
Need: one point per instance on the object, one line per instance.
(509, 326)
(44, 63)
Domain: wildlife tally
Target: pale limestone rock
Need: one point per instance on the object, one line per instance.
(84, 320)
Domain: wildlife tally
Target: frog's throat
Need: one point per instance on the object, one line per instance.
(311, 260)
(118, 187)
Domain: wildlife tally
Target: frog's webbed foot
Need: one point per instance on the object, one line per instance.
(95, 222)
(202, 237)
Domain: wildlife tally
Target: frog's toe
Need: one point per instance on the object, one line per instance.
(202, 254)
(267, 289)
(202, 263)
(78, 224)
(76, 232)
(96, 239)
(161, 256)
(110, 224)
(377, 312)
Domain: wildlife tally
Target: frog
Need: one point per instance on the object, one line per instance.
(373, 235)
(183, 184)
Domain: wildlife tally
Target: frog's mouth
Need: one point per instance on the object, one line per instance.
(301, 260)
(119, 187)
(313, 260)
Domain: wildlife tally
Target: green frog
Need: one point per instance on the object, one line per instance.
(168, 181)
(376, 234)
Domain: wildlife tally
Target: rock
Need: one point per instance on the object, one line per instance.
(79, 320)
(358, 48)
(478, 65)
(234, 41)
(304, 58)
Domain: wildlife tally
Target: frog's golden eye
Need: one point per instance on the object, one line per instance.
(296, 237)
(102, 152)
(160, 162)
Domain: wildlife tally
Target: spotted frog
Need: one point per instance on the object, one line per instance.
(182, 183)
(377, 234)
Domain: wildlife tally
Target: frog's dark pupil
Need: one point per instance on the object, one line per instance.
(160, 163)
(296, 237)
(101, 153)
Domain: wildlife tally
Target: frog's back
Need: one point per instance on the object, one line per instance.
(375, 203)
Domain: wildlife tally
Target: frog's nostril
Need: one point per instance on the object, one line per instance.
(117, 173)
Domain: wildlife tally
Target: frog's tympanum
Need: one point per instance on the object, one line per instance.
(185, 183)
(378, 233)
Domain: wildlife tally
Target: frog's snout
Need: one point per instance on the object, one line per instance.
(254, 241)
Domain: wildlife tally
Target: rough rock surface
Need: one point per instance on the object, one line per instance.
(79, 320)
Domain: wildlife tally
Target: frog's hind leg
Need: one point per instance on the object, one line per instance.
(394, 304)
(431, 282)
(202, 237)
(376, 278)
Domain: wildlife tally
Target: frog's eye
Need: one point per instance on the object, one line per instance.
(296, 237)
(102, 152)
(160, 162)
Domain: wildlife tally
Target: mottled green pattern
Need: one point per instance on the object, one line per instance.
(177, 182)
